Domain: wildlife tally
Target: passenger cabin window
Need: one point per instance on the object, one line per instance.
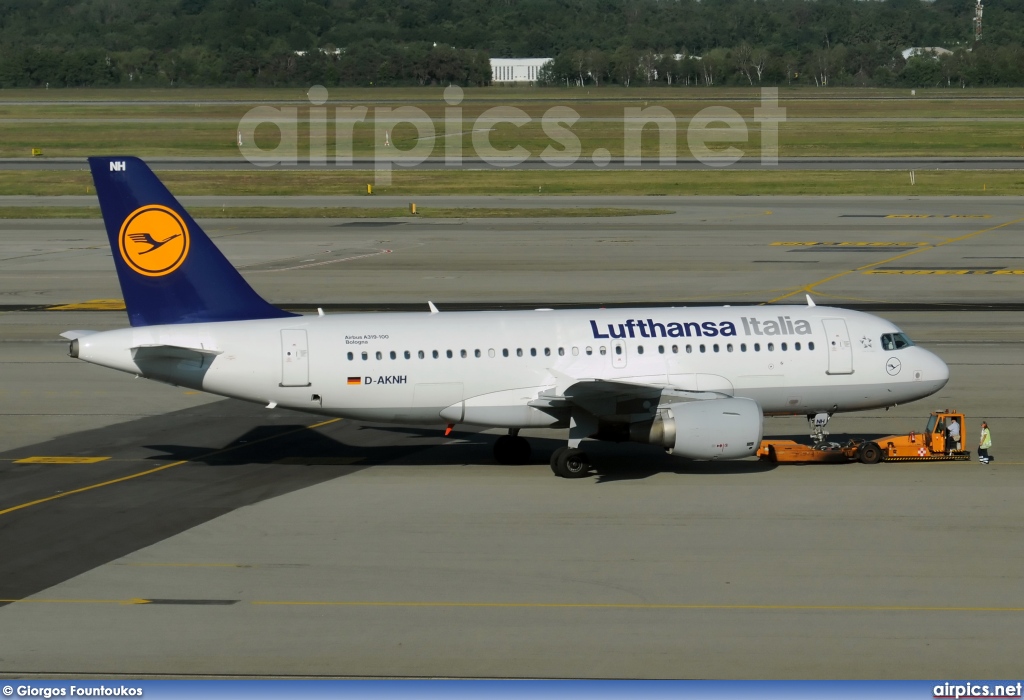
(463, 353)
(603, 350)
(408, 355)
(394, 356)
(561, 352)
(448, 353)
(810, 345)
(351, 356)
(504, 352)
(639, 349)
(590, 350)
(365, 356)
(420, 354)
(436, 355)
(490, 352)
(379, 356)
(519, 352)
(771, 346)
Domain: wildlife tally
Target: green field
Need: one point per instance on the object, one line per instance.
(412, 183)
(345, 212)
(824, 123)
(554, 182)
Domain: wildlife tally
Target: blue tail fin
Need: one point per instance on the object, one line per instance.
(170, 271)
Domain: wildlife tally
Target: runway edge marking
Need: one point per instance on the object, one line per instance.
(161, 468)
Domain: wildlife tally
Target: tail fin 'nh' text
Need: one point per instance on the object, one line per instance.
(170, 271)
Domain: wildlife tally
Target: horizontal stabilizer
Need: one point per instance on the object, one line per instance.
(172, 352)
(72, 335)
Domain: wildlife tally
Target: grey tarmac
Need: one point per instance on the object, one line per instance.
(264, 546)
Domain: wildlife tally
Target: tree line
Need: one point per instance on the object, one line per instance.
(422, 42)
(834, 66)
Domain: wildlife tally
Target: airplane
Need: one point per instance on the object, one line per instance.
(697, 382)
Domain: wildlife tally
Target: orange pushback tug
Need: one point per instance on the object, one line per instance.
(931, 445)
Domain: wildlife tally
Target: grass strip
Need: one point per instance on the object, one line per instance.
(547, 182)
(344, 212)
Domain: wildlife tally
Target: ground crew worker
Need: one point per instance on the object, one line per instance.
(984, 444)
(954, 436)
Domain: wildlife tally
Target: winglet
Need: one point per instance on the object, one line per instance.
(433, 309)
(810, 302)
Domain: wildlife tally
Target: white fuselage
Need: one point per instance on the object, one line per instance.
(486, 368)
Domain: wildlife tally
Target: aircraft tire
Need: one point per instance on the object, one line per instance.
(572, 464)
(870, 453)
(555, 456)
(512, 449)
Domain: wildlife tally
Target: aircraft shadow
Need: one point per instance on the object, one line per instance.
(361, 446)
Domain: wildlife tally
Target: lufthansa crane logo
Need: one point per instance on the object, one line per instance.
(154, 240)
(893, 366)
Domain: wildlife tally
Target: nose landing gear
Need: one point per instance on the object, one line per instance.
(817, 424)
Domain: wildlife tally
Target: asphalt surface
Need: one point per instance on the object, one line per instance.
(218, 537)
(583, 163)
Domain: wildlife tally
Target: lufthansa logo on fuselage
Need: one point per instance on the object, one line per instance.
(154, 240)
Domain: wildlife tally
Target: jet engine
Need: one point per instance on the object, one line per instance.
(728, 428)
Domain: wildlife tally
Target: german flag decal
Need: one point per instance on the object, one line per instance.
(352, 381)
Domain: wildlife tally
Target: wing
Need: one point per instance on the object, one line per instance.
(605, 398)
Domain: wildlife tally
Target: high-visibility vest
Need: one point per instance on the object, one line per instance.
(986, 439)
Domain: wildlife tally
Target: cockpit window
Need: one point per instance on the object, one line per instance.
(896, 341)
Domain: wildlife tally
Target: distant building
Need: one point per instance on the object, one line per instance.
(325, 52)
(516, 70)
(933, 51)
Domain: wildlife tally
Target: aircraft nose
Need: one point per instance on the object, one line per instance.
(936, 369)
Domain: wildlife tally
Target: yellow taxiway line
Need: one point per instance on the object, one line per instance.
(809, 288)
(161, 468)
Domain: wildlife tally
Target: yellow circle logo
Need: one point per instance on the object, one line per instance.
(154, 240)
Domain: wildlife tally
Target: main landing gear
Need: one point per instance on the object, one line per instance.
(512, 449)
(570, 462)
(566, 462)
